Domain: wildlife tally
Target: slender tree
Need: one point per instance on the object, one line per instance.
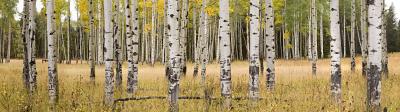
(133, 78)
(336, 83)
(100, 38)
(364, 37)
(24, 31)
(270, 44)
(129, 41)
(117, 43)
(254, 49)
(204, 40)
(321, 36)
(31, 46)
(109, 49)
(183, 32)
(91, 40)
(314, 37)
(374, 54)
(9, 42)
(153, 32)
(224, 46)
(52, 60)
(352, 36)
(68, 32)
(174, 53)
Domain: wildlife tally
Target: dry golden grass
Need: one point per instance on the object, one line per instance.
(296, 89)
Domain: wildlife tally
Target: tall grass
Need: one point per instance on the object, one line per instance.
(296, 89)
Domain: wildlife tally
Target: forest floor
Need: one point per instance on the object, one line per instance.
(296, 89)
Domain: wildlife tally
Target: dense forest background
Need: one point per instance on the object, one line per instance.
(291, 21)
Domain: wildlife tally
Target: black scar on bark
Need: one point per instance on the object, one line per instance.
(370, 2)
(254, 70)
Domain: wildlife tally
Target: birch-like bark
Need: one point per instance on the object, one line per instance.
(344, 34)
(91, 40)
(224, 46)
(352, 35)
(174, 53)
(183, 32)
(117, 44)
(196, 43)
(270, 44)
(109, 49)
(309, 40)
(254, 49)
(133, 78)
(314, 38)
(153, 32)
(25, 23)
(9, 43)
(68, 33)
(364, 37)
(321, 34)
(385, 69)
(31, 46)
(100, 37)
(204, 41)
(336, 83)
(52, 59)
(129, 41)
(374, 54)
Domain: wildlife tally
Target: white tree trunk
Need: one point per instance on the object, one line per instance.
(225, 49)
(117, 44)
(374, 54)
(109, 49)
(9, 43)
(174, 53)
(254, 49)
(52, 60)
(183, 32)
(344, 34)
(100, 38)
(270, 44)
(321, 34)
(314, 38)
(91, 41)
(204, 41)
(129, 41)
(133, 78)
(153, 32)
(336, 74)
(68, 33)
(31, 46)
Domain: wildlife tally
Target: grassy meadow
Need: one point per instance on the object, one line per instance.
(296, 89)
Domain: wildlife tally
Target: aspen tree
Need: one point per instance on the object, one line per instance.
(254, 49)
(336, 83)
(133, 78)
(224, 46)
(109, 49)
(270, 44)
(174, 54)
(374, 54)
(31, 46)
(91, 41)
(52, 59)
